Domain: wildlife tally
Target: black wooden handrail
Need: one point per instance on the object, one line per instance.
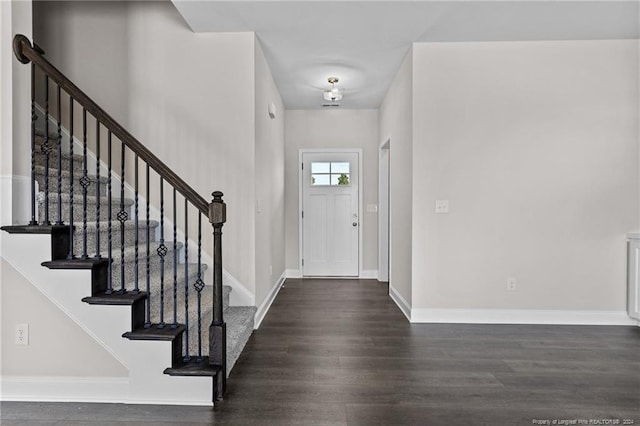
(26, 53)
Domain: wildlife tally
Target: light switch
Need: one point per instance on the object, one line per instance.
(372, 208)
(442, 206)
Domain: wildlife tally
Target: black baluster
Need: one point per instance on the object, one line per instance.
(148, 257)
(97, 189)
(109, 226)
(59, 222)
(199, 285)
(162, 252)
(34, 117)
(175, 262)
(84, 182)
(71, 228)
(187, 357)
(136, 288)
(122, 217)
(46, 150)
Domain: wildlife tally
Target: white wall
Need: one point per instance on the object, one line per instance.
(269, 183)
(332, 129)
(192, 103)
(188, 97)
(57, 345)
(15, 115)
(535, 145)
(97, 32)
(396, 126)
(15, 17)
(6, 109)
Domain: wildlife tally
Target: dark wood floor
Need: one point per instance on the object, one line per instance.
(339, 352)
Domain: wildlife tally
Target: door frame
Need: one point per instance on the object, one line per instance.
(361, 221)
(384, 211)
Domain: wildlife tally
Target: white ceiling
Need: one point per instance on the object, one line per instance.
(364, 42)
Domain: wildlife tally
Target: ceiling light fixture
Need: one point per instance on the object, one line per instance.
(334, 94)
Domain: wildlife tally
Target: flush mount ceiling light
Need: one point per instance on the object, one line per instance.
(334, 94)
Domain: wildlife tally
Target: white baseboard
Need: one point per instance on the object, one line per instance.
(65, 389)
(520, 316)
(268, 300)
(293, 273)
(369, 274)
(400, 301)
(113, 390)
(366, 274)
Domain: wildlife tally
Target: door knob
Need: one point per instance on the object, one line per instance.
(355, 223)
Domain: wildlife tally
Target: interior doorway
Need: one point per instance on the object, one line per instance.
(384, 219)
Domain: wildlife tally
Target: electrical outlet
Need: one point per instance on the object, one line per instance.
(511, 284)
(22, 334)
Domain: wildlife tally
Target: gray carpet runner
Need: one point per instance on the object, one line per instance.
(239, 319)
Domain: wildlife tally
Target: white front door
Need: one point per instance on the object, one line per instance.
(330, 222)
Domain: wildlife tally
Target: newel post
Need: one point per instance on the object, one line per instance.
(218, 328)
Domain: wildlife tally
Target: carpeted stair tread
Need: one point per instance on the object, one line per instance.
(155, 285)
(53, 155)
(78, 160)
(129, 224)
(129, 263)
(78, 204)
(65, 173)
(240, 322)
(66, 186)
(154, 275)
(91, 199)
(206, 296)
(40, 134)
(130, 251)
(129, 235)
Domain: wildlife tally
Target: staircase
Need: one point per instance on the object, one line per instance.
(95, 223)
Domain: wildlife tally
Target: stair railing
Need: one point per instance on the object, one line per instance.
(51, 147)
